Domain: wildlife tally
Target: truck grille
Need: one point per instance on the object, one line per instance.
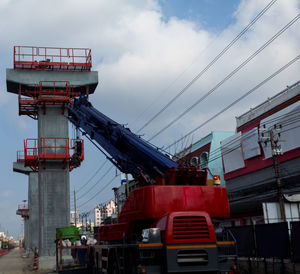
(190, 227)
(192, 257)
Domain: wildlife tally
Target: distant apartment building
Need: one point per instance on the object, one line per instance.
(72, 217)
(103, 212)
(2, 235)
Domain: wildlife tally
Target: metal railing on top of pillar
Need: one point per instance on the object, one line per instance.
(52, 58)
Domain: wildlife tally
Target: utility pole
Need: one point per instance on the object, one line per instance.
(82, 215)
(86, 221)
(127, 185)
(75, 208)
(275, 152)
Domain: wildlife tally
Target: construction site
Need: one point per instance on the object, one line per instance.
(224, 201)
(53, 86)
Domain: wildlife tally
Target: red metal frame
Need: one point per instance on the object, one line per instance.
(20, 156)
(52, 58)
(51, 148)
(31, 153)
(46, 93)
(24, 210)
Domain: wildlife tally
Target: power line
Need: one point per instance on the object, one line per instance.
(103, 203)
(93, 176)
(181, 73)
(229, 75)
(238, 145)
(268, 122)
(102, 189)
(259, 15)
(91, 188)
(239, 99)
(215, 154)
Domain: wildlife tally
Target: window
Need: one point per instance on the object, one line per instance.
(204, 159)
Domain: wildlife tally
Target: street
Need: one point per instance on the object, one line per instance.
(16, 262)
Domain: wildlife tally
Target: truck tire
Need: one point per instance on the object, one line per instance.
(115, 268)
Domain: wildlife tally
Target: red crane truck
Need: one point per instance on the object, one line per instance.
(168, 224)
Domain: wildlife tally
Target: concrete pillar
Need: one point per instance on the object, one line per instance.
(26, 236)
(53, 181)
(31, 225)
(33, 204)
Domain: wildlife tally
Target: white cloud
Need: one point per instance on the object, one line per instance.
(141, 57)
(138, 54)
(144, 61)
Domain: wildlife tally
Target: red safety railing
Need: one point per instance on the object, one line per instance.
(31, 153)
(23, 207)
(31, 149)
(20, 156)
(53, 148)
(51, 58)
(23, 210)
(45, 93)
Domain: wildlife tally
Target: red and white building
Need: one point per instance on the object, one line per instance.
(247, 155)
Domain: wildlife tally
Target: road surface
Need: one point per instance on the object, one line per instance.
(15, 262)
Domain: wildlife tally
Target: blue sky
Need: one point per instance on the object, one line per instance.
(214, 15)
(145, 52)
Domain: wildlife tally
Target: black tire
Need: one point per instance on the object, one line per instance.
(113, 265)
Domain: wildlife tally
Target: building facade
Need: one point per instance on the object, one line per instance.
(206, 153)
(104, 212)
(263, 158)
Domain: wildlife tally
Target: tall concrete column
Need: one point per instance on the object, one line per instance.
(31, 225)
(54, 181)
(33, 204)
(53, 176)
(26, 236)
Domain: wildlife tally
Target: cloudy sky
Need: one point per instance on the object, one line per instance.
(146, 52)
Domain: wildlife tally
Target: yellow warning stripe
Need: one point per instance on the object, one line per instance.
(191, 246)
(226, 243)
(150, 245)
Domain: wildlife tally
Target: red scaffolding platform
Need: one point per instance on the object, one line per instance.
(20, 156)
(52, 149)
(51, 58)
(46, 93)
(23, 210)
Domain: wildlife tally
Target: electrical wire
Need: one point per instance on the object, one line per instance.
(163, 91)
(287, 26)
(101, 204)
(238, 145)
(258, 16)
(216, 154)
(101, 190)
(105, 186)
(92, 187)
(93, 176)
(267, 123)
(238, 100)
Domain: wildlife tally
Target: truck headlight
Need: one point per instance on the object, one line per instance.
(145, 235)
(151, 235)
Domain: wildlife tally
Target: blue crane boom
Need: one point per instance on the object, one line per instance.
(129, 152)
